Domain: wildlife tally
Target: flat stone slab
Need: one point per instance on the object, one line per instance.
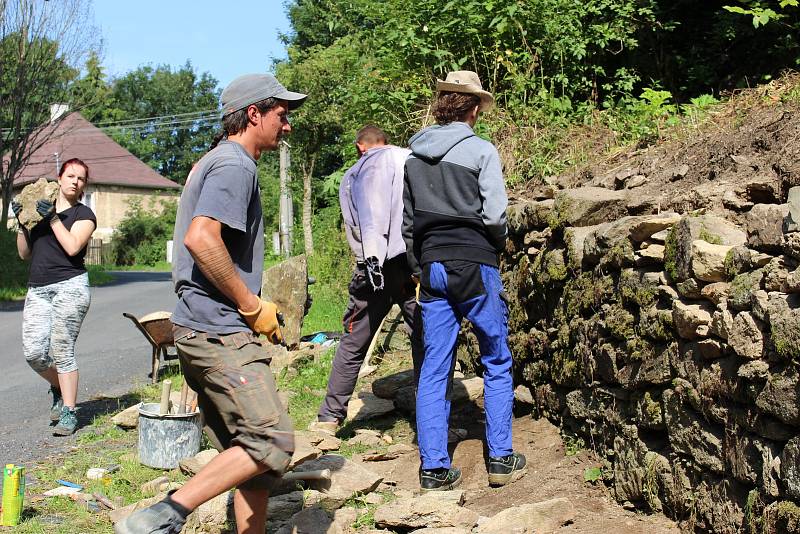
(127, 418)
(347, 478)
(423, 512)
(303, 450)
(386, 387)
(191, 466)
(368, 406)
(545, 516)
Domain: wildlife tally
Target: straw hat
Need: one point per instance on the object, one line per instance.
(466, 81)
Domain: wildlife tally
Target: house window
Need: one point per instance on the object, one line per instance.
(88, 200)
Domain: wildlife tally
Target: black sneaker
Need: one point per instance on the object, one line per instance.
(439, 479)
(506, 469)
(160, 518)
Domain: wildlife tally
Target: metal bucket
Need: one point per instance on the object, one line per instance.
(165, 440)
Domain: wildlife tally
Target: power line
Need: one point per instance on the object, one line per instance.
(158, 117)
(144, 121)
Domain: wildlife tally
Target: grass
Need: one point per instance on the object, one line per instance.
(102, 444)
(161, 266)
(308, 388)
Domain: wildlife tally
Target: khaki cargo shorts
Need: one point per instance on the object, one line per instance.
(237, 395)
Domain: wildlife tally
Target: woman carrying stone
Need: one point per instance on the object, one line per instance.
(58, 288)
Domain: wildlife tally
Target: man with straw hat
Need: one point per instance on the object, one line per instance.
(454, 225)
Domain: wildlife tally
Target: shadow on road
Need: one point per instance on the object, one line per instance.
(12, 305)
(129, 277)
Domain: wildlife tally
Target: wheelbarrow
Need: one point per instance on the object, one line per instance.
(157, 329)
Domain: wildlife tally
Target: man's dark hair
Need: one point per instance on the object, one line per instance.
(236, 122)
(450, 106)
(370, 134)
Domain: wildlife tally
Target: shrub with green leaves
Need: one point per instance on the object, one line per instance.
(141, 237)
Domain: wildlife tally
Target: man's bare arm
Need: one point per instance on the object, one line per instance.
(204, 241)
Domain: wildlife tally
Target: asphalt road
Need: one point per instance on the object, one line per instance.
(113, 357)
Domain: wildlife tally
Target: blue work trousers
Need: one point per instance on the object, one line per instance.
(449, 292)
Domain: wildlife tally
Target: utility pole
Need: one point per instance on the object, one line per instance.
(286, 215)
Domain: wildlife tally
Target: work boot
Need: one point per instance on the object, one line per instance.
(441, 479)
(326, 427)
(67, 422)
(58, 403)
(506, 469)
(164, 517)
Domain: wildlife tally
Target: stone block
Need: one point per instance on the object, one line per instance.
(286, 284)
(41, 189)
(386, 387)
(526, 215)
(347, 478)
(545, 516)
(690, 434)
(709, 228)
(575, 238)
(781, 397)
(765, 225)
(365, 405)
(746, 338)
(414, 513)
(793, 202)
(708, 261)
(690, 318)
(586, 206)
(790, 468)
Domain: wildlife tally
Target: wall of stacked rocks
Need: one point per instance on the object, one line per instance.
(670, 343)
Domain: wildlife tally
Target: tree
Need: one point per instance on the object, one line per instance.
(41, 45)
(92, 91)
(184, 105)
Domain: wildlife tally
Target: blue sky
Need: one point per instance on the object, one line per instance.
(224, 38)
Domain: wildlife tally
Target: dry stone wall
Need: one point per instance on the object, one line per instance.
(670, 343)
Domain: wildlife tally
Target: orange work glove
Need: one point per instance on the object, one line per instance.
(264, 320)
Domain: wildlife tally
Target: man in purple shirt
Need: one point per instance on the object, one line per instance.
(371, 197)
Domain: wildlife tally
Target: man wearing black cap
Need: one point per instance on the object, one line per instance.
(219, 257)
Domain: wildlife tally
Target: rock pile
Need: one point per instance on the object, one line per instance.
(671, 342)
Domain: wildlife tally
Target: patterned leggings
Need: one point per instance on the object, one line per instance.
(52, 318)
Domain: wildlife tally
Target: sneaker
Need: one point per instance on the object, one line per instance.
(506, 469)
(67, 422)
(326, 427)
(439, 479)
(58, 403)
(160, 518)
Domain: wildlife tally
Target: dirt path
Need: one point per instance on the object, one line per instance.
(551, 474)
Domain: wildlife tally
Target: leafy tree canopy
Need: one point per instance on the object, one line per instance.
(165, 117)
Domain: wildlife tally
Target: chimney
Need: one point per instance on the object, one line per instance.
(57, 110)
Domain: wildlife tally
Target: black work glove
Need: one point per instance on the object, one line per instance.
(374, 273)
(46, 209)
(16, 207)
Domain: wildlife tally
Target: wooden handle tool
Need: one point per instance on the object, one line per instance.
(166, 387)
(184, 394)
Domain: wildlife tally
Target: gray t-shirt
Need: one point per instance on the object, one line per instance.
(223, 186)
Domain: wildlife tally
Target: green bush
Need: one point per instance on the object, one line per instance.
(14, 274)
(141, 238)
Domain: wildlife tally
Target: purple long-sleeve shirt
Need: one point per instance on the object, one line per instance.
(371, 197)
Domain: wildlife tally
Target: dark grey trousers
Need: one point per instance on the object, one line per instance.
(362, 318)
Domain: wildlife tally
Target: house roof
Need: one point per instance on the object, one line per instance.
(108, 162)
